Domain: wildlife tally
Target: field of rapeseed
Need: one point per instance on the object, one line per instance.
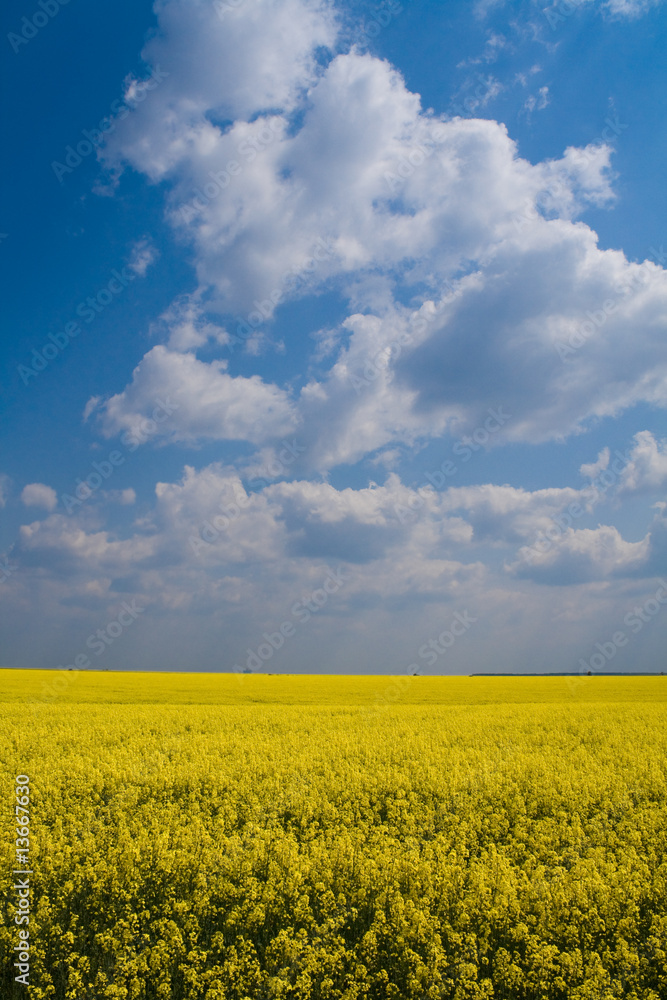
(224, 838)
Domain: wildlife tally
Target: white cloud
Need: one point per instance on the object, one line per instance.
(280, 189)
(503, 514)
(90, 407)
(389, 190)
(184, 326)
(291, 194)
(584, 555)
(537, 296)
(4, 489)
(630, 8)
(259, 57)
(124, 497)
(68, 549)
(539, 101)
(646, 472)
(580, 177)
(590, 470)
(142, 255)
(256, 554)
(494, 45)
(401, 376)
(357, 526)
(206, 402)
(486, 88)
(39, 495)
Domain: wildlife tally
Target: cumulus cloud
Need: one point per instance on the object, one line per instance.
(206, 401)
(584, 555)
(185, 327)
(646, 472)
(256, 195)
(208, 540)
(401, 375)
(548, 290)
(286, 524)
(211, 519)
(273, 156)
(591, 469)
(69, 548)
(358, 526)
(258, 57)
(39, 495)
(520, 293)
(124, 497)
(209, 549)
(505, 515)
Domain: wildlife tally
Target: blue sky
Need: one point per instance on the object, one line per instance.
(356, 307)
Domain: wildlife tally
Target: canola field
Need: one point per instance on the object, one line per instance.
(199, 837)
